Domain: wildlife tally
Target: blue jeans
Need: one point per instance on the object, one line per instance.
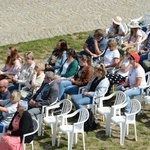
(13, 87)
(67, 87)
(80, 100)
(143, 57)
(130, 94)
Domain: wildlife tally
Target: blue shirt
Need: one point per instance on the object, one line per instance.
(101, 44)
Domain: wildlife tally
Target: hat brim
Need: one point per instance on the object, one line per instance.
(118, 23)
(130, 26)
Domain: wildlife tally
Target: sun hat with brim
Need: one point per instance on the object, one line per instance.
(136, 57)
(133, 24)
(117, 20)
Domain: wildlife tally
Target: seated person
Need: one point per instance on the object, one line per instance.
(4, 92)
(136, 80)
(57, 57)
(25, 73)
(144, 52)
(46, 95)
(136, 35)
(20, 124)
(12, 65)
(37, 78)
(123, 66)
(95, 44)
(8, 108)
(95, 89)
(111, 56)
(116, 30)
(82, 77)
(70, 66)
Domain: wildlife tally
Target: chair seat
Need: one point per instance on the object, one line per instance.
(49, 120)
(104, 110)
(118, 119)
(66, 128)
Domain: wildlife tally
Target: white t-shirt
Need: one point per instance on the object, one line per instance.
(121, 29)
(133, 38)
(12, 108)
(125, 63)
(109, 58)
(134, 73)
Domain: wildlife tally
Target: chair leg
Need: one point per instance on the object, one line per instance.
(127, 129)
(108, 124)
(53, 134)
(70, 140)
(83, 140)
(75, 138)
(135, 131)
(122, 133)
(32, 145)
(59, 136)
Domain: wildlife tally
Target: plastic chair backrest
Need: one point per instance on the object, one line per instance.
(135, 106)
(66, 106)
(120, 98)
(83, 115)
(147, 75)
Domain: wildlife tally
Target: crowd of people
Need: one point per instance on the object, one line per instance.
(65, 72)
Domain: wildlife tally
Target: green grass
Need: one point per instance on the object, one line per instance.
(96, 140)
(42, 48)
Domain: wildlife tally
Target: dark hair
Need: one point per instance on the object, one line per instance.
(63, 47)
(71, 52)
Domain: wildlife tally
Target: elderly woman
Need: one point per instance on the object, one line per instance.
(111, 56)
(97, 87)
(20, 124)
(136, 79)
(8, 108)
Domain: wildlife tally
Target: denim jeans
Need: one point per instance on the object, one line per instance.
(13, 87)
(80, 100)
(143, 57)
(130, 94)
(67, 87)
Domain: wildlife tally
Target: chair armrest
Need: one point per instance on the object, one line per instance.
(101, 99)
(50, 108)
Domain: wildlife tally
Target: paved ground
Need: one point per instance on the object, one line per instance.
(26, 20)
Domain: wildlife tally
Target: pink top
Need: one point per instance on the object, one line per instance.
(14, 69)
(16, 123)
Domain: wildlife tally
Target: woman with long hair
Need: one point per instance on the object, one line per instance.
(57, 57)
(13, 62)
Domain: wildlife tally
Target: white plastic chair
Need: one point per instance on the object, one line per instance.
(54, 120)
(73, 129)
(120, 102)
(40, 116)
(147, 76)
(36, 127)
(124, 120)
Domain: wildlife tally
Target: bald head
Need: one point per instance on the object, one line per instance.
(4, 83)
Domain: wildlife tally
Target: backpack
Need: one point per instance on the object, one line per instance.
(90, 124)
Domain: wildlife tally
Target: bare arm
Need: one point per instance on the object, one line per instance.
(138, 82)
(116, 60)
(3, 109)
